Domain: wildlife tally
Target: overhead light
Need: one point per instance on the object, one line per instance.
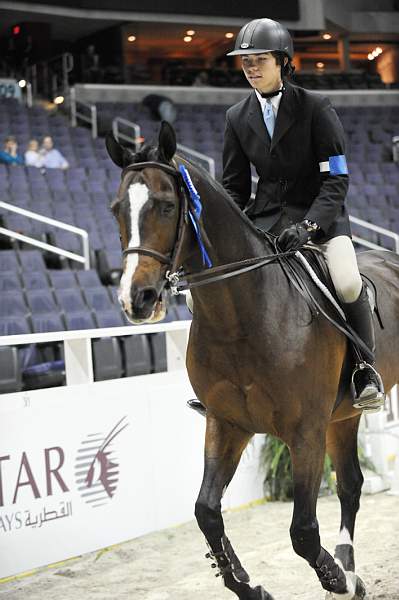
(327, 36)
(190, 32)
(229, 35)
(320, 65)
(22, 83)
(131, 38)
(59, 99)
(187, 38)
(370, 56)
(378, 50)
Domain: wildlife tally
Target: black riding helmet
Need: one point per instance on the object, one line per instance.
(263, 35)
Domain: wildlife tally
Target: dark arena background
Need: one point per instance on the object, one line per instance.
(100, 459)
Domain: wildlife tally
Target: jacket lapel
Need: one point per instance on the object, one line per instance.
(256, 122)
(285, 115)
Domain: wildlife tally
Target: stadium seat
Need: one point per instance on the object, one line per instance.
(62, 279)
(47, 322)
(41, 302)
(32, 260)
(158, 352)
(35, 280)
(9, 280)
(14, 325)
(107, 359)
(10, 371)
(136, 355)
(13, 304)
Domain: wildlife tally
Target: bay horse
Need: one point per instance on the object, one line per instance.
(256, 359)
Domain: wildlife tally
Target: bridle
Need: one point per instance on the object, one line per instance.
(171, 259)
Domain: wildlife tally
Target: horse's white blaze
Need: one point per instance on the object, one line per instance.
(344, 537)
(138, 196)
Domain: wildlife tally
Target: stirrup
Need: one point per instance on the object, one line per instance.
(369, 399)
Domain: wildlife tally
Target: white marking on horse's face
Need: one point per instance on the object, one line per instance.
(138, 196)
(344, 537)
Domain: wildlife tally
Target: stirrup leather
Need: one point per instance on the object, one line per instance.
(372, 401)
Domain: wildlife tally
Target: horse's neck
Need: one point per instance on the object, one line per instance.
(229, 237)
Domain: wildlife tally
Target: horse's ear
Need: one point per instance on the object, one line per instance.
(120, 155)
(167, 141)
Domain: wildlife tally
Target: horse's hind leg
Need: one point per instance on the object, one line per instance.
(307, 453)
(342, 448)
(224, 444)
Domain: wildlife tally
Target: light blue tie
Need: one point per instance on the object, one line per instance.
(269, 118)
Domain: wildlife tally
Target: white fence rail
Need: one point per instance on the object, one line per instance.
(84, 259)
(120, 123)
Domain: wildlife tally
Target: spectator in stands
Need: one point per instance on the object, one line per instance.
(52, 158)
(33, 157)
(161, 107)
(201, 79)
(9, 155)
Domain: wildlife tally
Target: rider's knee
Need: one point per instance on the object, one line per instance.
(349, 288)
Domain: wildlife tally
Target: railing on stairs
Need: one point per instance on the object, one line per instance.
(134, 128)
(83, 111)
(84, 258)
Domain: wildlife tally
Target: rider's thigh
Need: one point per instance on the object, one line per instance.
(342, 264)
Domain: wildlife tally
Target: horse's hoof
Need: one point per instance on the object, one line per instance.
(360, 591)
(261, 594)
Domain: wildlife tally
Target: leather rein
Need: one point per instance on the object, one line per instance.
(172, 260)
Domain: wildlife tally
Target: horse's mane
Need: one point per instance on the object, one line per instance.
(218, 188)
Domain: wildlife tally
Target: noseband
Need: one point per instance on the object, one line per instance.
(171, 258)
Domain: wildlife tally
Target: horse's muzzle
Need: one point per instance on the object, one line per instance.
(143, 301)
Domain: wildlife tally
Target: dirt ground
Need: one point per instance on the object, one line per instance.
(170, 565)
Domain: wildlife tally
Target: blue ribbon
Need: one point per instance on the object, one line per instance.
(338, 165)
(195, 210)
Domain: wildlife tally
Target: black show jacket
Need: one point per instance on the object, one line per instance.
(290, 187)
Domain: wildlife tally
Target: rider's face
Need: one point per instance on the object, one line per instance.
(262, 71)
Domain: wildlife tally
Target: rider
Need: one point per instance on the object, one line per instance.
(295, 141)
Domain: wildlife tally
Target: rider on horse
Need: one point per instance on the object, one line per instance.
(295, 141)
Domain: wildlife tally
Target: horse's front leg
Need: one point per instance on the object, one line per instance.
(307, 454)
(224, 444)
(342, 447)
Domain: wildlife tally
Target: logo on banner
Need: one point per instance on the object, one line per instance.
(97, 466)
(45, 480)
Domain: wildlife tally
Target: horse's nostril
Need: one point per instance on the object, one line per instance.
(149, 296)
(145, 297)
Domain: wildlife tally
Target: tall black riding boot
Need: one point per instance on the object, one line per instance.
(369, 390)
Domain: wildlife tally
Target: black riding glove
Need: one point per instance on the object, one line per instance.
(293, 237)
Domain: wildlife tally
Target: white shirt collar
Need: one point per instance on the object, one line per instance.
(275, 101)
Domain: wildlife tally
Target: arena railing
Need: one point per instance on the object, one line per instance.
(189, 152)
(78, 349)
(83, 111)
(118, 123)
(84, 259)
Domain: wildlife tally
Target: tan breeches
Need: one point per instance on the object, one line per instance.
(342, 264)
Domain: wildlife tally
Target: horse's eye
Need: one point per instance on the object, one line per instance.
(166, 208)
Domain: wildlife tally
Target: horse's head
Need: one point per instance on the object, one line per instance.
(147, 208)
